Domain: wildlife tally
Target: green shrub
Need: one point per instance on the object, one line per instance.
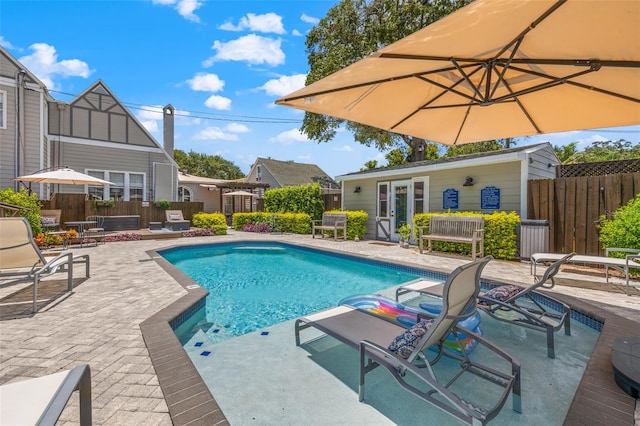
(215, 221)
(623, 231)
(295, 199)
(295, 223)
(500, 229)
(30, 204)
(356, 223)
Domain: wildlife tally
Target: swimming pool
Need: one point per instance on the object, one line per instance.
(255, 285)
(309, 385)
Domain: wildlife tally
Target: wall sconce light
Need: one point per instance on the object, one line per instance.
(357, 190)
(468, 181)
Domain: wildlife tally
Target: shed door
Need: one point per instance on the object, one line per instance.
(399, 214)
(383, 221)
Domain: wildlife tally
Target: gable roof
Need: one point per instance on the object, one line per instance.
(289, 173)
(8, 56)
(489, 156)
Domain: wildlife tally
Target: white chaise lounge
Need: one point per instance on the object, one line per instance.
(631, 260)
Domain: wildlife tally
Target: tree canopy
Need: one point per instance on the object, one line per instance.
(211, 166)
(598, 151)
(352, 30)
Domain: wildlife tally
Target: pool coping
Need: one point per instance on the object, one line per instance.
(598, 399)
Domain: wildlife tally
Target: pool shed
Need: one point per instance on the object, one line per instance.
(484, 182)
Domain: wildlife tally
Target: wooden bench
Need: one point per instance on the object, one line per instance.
(454, 229)
(330, 222)
(622, 265)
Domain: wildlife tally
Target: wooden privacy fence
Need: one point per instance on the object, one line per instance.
(573, 207)
(75, 207)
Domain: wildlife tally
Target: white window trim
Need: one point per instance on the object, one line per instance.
(127, 187)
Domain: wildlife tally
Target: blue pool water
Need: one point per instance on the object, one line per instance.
(255, 285)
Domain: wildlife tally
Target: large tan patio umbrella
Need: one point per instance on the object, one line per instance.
(495, 69)
(64, 176)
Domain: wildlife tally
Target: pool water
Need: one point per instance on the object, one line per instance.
(255, 285)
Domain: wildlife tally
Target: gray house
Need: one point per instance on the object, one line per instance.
(93, 134)
(278, 174)
(485, 182)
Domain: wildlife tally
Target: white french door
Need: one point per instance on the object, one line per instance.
(397, 202)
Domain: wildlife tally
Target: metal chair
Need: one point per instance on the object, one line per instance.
(97, 229)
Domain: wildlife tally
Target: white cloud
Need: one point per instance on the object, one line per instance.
(206, 82)
(43, 62)
(284, 85)
(150, 112)
(296, 33)
(237, 128)
(309, 19)
(185, 8)
(213, 134)
(151, 126)
(218, 102)
(267, 23)
(344, 148)
(251, 48)
(289, 137)
(6, 44)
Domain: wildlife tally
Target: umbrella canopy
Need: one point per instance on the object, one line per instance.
(495, 69)
(64, 176)
(245, 193)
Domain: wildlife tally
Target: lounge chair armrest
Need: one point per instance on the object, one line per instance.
(621, 250)
(632, 258)
(54, 263)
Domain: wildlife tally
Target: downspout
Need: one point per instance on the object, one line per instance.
(18, 151)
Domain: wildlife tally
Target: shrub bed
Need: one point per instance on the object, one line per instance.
(214, 221)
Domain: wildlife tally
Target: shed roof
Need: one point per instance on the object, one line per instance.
(289, 173)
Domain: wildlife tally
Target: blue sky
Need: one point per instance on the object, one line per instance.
(221, 64)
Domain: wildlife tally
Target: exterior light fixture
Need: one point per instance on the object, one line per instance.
(468, 181)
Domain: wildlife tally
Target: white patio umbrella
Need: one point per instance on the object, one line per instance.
(64, 176)
(495, 69)
(240, 193)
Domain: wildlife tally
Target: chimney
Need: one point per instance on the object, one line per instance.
(167, 135)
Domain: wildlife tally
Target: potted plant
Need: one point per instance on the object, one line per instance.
(104, 203)
(404, 233)
(163, 204)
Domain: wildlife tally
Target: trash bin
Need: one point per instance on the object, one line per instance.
(534, 237)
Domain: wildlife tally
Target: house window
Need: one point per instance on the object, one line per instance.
(383, 201)
(116, 191)
(418, 197)
(136, 186)
(3, 109)
(184, 194)
(126, 186)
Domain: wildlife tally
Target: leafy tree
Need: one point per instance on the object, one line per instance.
(352, 30)
(29, 203)
(371, 164)
(566, 153)
(608, 151)
(211, 166)
(624, 229)
(474, 148)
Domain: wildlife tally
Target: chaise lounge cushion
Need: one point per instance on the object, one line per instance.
(501, 293)
(48, 220)
(405, 343)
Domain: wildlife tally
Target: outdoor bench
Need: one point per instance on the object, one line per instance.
(121, 223)
(631, 260)
(454, 229)
(330, 222)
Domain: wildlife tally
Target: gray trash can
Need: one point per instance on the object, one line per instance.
(534, 237)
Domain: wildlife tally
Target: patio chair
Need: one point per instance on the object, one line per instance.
(40, 401)
(175, 221)
(21, 259)
(50, 219)
(95, 230)
(522, 306)
(404, 351)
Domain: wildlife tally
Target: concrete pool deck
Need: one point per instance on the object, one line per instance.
(100, 323)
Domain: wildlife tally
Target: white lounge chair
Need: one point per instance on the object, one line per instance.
(40, 401)
(21, 259)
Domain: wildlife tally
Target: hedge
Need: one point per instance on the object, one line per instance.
(500, 233)
(295, 223)
(295, 199)
(215, 221)
(356, 223)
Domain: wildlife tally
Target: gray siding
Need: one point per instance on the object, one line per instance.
(539, 164)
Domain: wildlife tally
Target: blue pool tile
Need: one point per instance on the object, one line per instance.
(198, 344)
(264, 333)
(217, 330)
(205, 353)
